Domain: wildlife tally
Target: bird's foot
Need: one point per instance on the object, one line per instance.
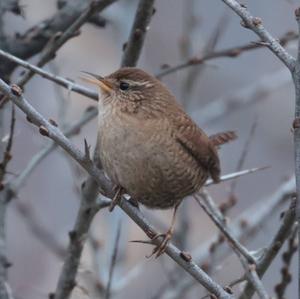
(134, 202)
(161, 248)
(117, 197)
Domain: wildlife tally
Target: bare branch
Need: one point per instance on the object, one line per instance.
(237, 174)
(226, 53)
(113, 261)
(66, 282)
(215, 215)
(255, 281)
(138, 32)
(247, 225)
(70, 85)
(36, 159)
(241, 98)
(34, 39)
(41, 233)
(255, 24)
(287, 257)
(273, 249)
(49, 52)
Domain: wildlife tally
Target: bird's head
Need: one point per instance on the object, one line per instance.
(126, 84)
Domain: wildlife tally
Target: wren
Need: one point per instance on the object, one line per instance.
(148, 146)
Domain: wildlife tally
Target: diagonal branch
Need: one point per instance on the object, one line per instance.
(34, 39)
(232, 52)
(273, 249)
(255, 24)
(58, 41)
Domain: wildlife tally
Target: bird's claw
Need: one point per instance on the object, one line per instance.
(117, 198)
(160, 248)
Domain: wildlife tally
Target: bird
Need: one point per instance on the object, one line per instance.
(149, 147)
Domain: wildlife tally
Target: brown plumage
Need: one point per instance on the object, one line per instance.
(149, 147)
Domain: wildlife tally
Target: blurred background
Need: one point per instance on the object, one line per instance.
(178, 31)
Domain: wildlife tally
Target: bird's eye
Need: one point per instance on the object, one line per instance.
(124, 85)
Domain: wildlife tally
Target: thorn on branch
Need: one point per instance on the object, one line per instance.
(228, 289)
(256, 21)
(296, 123)
(138, 33)
(44, 131)
(87, 150)
(297, 13)
(29, 119)
(53, 122)
(16, 90)
(185, 256)
(51, 295)
(72, 235)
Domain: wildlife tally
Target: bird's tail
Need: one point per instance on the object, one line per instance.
(223, 137)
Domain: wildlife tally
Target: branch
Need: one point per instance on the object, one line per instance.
(70, 85)
(296, 127)
(254, 280)
(138, 32)
(49, 51)
(255, 24)
(287, 256)
(88, 209)
(230, 176)
(34, 40)
(85, 213)
(36, 159)
(247, 225)
(215, 215)
(243, 97)
(273, 249)
(247, 259)
(113, 261)
(232, 52)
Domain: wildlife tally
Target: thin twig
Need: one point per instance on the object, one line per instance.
(287, 256)
(296, 127)
(215, 215)
(73, 129)
(243, 97)
(254, 279)
(70, 85)
(138, 32)
(7, 152)
(243, 155)
(248, 224)
(49, 52)
(274, 247)
(226, 53)
(113, 261)
(247, 259)
(41, 233)
(256, 25)
(235, 175)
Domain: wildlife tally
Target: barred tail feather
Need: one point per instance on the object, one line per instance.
(222, 138)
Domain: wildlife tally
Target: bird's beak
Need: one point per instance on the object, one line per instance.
(104, 84)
